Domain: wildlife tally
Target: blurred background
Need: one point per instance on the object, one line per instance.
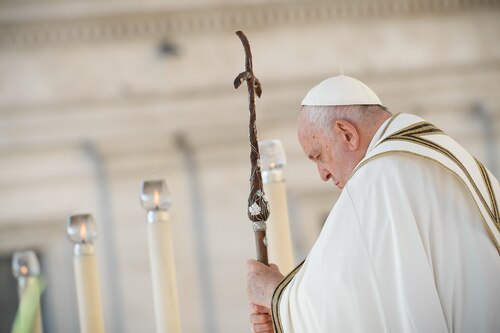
(96, 96)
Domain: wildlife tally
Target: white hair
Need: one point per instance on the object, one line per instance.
(321, 117)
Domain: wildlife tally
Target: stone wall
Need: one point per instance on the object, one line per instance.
(97, 96)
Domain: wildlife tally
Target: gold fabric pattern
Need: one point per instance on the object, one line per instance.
(388, 124)
(435, 146)
(418, 129)
(493, 200)
(415, 134)
(275, 302)
(490, 233)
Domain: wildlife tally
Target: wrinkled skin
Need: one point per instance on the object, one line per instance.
(261, 319)
(261, 282)
(335, 154)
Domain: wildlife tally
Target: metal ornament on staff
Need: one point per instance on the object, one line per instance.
(258, 210)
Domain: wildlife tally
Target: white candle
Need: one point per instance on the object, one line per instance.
(26, 269)
(156, 199)
(278, 226)
(82, 231)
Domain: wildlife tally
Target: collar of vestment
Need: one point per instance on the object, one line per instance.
(380, 132)
(411, 135)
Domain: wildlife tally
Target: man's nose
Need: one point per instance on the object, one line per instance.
(324, 173)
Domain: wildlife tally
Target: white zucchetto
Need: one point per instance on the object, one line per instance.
(341, 90)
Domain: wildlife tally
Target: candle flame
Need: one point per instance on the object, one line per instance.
(156, 198)
(24, 270)
(83, 232)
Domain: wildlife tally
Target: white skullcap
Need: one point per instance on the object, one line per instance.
(341, 90)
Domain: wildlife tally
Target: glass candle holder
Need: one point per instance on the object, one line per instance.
(25, 264)
(82, 229)
(272, 160)
(155, 195)
(272, 155)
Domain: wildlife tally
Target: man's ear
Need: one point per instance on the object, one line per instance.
(348, 133)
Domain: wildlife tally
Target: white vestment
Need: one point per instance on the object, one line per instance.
(411, 245)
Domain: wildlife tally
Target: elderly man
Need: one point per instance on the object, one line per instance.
(411, 245)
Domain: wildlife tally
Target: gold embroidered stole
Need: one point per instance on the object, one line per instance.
(276, 300)
(420, 138)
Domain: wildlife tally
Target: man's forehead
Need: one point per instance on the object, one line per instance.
(306, 130)
(311, 144)
(304, 126)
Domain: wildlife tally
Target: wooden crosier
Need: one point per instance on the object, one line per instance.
(258, 210)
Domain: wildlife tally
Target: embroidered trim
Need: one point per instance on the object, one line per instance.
(485, 223)
(487, 183)
(275, 301)
(413, 133)
(388, 124)
(416, 130)
(447, 153)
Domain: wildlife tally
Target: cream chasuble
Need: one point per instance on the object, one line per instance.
(410, 246)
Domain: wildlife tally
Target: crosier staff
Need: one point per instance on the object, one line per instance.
(258, 210)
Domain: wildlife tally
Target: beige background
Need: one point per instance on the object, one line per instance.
(96, 96)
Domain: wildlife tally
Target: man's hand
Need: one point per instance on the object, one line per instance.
(261, 319)
(261, 282)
